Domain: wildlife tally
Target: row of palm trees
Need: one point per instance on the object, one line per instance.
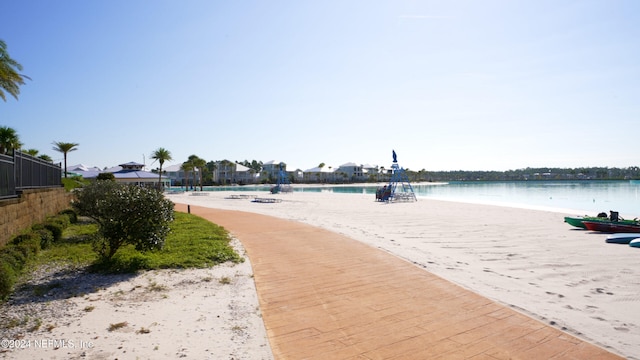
(10, 141)
(194, 162)
(10, 81)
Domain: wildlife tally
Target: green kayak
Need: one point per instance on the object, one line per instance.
(577, 221)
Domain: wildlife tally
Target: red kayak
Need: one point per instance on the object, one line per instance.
(612, 227)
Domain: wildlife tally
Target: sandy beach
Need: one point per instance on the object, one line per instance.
(529, 260)
(526, 259)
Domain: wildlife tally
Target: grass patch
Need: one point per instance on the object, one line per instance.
(15, 322)
(192, 243)
(36, 325)
(120, 325)
(143, 331)
(73, 182)
(154, 286)
(73, 248)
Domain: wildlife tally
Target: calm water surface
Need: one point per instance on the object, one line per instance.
(584, 197)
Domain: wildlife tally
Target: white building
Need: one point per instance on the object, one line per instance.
(271, 169)
(130, 173)
(177, 175)
(319, 174)
(350, 172)
(228, 172)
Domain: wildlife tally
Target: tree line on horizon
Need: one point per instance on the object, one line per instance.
(529, 174)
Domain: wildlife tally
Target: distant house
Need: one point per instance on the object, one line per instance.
(271, 169)
(82, 168)
(296, 175)
(229, 172)
(84, 171)
(319, 174)
(177, 175)
(371, 172)
(350, 172)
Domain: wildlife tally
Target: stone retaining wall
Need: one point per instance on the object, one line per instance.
(32, 207)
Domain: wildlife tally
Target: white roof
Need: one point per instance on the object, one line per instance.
(349, 164)
(172, 168)
(82, 167)
(319, 170)
(240, 167)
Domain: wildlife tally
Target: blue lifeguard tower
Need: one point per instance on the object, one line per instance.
(282, 185)
(399, 187)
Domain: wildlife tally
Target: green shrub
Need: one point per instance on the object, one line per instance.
(126, 214)
(71, 214)
(46, 238)
(7, 279)
(13, 257)
(55, 229)
(28, 244)
(26, 237)
(61, 219)
(29, 249)
(106, 176)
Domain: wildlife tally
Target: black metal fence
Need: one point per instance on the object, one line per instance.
(22, 171)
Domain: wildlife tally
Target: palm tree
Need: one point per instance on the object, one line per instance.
(186, 167)
(45, 157)
(9, 140)
(211, 168)
(32, 152)
(162, 155)
(200, 164)
(65, 148)
(10, 79)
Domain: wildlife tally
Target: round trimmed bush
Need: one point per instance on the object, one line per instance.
(46, 237)
(13, 257)
(72, 215)
(7, 279)
(62, 220)
(28, 244)
(55, 228)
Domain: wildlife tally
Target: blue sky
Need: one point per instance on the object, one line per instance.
(450, 85)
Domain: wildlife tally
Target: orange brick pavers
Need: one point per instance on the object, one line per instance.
(326, 296)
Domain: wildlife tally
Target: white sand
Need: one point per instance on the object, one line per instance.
(527, 259)
(168, 314)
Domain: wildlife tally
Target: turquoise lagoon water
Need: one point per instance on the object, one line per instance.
(584, 197)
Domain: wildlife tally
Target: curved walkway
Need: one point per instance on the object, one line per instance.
(325, 296)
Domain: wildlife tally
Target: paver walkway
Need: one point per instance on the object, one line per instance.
(326, 296)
